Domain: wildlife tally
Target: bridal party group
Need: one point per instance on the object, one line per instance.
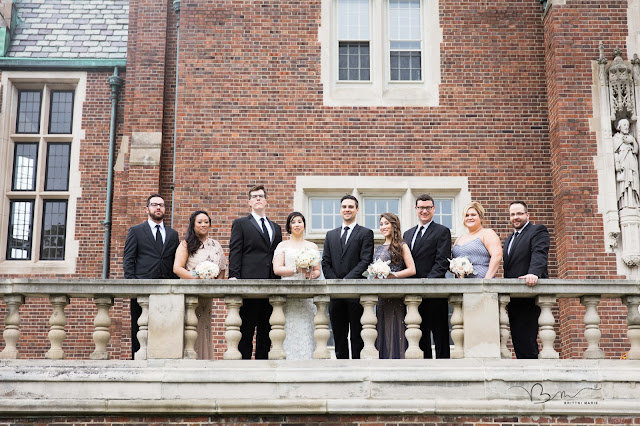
(257, 251)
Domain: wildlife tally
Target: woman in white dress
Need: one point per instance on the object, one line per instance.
(299, 342)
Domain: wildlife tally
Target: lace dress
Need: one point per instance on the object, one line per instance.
(390, 312)
(299, 342)
(477, 254)
(210, 251)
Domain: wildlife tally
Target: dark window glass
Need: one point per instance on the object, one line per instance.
(405, 65)
(353, 60)
(25, 158)
(57, 174)
(29, 111)
(54, 228)
(61, 112)
(20, 230)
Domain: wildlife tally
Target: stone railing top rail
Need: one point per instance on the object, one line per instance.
(84, 287)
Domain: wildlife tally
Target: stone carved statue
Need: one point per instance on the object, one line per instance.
(626, 164)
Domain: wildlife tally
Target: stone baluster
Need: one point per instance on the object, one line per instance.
(633, 323)
(321, 333)
(413, 332)
(143, 328)
(233, 323)
(457, 326)
(369, 332)
(592, 332)
(190, 327)
(546, 322)
(102, 322)
(12, 326)
(504, 300)
(277, 333)
(56, 331)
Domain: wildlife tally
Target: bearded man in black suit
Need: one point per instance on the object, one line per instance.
(253, 240)
(430, 245)
(525, 256)
(149, 252)
(347, 253)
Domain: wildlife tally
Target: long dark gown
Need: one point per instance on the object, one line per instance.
(391, 342)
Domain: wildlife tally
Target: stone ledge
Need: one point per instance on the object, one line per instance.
(506, 387)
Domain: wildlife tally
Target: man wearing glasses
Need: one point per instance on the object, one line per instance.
(253, 240)
(430, 245)
(149, 252)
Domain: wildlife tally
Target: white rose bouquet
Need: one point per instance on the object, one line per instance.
(206, 270)
(378, 269)
(461, 266)
(307, 258)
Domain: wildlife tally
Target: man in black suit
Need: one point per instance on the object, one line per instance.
(347, 253)
(525, 256)
(149, 252)
(430, 245)
(253, 240)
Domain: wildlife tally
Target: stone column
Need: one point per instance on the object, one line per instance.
(413, 332)
(166, 326)
(546, 322)
(633, 322)
(457, 327)
(12, 326)
(481, 325)
(277, 333)
(233, 323)
(190, 327)
(143, 328)
(57, 323)
(102, 322)
(592, 332)
(369, 332)
(321, 333)
(503, 301)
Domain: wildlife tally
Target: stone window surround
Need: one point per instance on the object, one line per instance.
(380, 91)
(10, 83)
(407, 188)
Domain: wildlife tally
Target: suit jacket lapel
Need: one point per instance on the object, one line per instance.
(353, 233)
(255, 223)
(427, 232)
(147, 231)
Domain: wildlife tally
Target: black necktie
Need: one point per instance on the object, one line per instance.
(264, 229)
(418, 236)
(513, 242)
(343, 239)
(158, 237)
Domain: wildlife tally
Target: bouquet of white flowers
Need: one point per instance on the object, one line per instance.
(206, 270)
(461, 266)
(378, 269)
(307, 258)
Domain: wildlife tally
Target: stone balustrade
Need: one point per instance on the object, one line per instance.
(168, 321)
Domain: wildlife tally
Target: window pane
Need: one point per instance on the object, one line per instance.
(54, 227)
(404, 20)
(374, 207)
(325, 214)
(405, 40)
(57, 172)
(444, 212)
(353, 61)
(353, 20)
(61, 112)
(24, 167)
(28, 111)
(20, 230)
(405, 65)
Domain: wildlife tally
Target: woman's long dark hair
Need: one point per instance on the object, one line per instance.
(193, 242)
(395, 247)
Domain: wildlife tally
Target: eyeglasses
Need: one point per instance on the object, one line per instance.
(424, 208)
(161, 205)
(517, 214)
(258, 196)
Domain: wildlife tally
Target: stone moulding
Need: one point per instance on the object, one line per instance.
(506, 387)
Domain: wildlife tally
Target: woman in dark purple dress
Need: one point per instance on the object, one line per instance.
(391, 312)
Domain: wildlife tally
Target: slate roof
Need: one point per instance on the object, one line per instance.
(81, 29)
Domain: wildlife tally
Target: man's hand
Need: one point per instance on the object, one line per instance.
(530, 279)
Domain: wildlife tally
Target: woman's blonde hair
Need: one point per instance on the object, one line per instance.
(474, 205)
